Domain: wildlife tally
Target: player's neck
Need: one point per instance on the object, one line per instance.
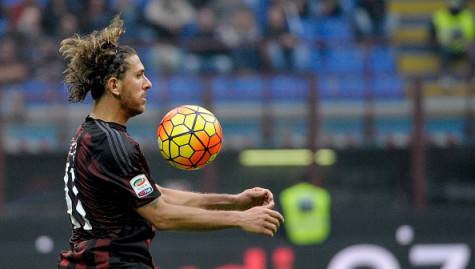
(109, 111)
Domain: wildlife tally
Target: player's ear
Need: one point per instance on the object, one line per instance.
(113, 86)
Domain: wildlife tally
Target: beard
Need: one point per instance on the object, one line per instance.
(132, 106)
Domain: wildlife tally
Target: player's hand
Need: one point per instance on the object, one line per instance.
(261, 220)
(255, 197)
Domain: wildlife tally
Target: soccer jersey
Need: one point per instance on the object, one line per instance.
(106, 179)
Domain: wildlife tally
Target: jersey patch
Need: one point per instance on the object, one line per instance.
(141, 185)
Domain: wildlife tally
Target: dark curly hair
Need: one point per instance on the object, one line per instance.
(93, 59)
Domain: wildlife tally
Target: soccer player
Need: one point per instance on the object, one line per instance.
(112, 201)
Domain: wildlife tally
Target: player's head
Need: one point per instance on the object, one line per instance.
(455, 6)
(97, 63)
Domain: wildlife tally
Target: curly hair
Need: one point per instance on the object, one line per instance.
(93, 59)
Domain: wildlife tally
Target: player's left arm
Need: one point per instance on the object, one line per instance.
(241, 201)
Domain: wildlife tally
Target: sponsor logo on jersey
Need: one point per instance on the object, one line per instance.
(141, 185)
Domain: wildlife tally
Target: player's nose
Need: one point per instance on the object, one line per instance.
(147, 84)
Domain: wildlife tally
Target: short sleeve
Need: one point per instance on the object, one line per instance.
(122, 165)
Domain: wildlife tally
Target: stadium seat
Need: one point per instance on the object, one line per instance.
(420, 63)
(316, 61)
(356, 87)
(289, 88)
(382, 60)
(388, 86)
(39, 92)
(344, 60)
(309, 31)
(235, 89)
(333, 30)
(338, 87)
(411, 35)
(416, 8)
(241, 134)
(185, 89)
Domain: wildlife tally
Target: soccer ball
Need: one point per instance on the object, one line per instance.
(189, 137)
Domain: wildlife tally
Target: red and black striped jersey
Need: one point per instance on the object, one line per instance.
(106, 179)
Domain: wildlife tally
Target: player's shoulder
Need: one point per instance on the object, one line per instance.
(111, 146)
(110, 137)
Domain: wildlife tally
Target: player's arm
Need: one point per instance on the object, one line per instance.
(242, 201)
(166, 216)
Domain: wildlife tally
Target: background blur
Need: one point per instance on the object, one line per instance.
(380, 91)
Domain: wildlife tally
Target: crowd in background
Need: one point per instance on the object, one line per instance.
(217, 36)
(184, 37)
(177, 35)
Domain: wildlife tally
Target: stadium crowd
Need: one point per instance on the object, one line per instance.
(174, 35)
(179, 38)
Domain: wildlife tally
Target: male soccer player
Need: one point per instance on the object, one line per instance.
(112, 201)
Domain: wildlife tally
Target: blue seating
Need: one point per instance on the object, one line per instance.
(289, 88)
(382, 60)
(348, 5)
(146, 56)
(242, 133)
(184, 89)
(39, 92)
(338, 87)
(316, 61)
(343, 87)
(238, 89)
(344, 60)
(309, 31)
(388, 86)
(333, 30)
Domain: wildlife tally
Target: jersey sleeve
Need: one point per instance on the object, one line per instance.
(122, 164)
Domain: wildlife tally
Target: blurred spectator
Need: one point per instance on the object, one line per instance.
(168, 18)
(198, 4)
(307, 211)
(12, 68)
(96, 15)
(326, 8)
(132, 14)
(370, 20)
(48, 66)
(12, 104)
(68, 25)
(224, 10)
(4, 27)
(302, 8)
(28, 20)
(242, 36)
(283, 49)
(54, 11)
(452, 32)
(207, 53)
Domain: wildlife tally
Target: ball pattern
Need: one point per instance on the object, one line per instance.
(189, 137)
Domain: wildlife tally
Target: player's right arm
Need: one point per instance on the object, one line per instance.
(166, 216)
(219, 201)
